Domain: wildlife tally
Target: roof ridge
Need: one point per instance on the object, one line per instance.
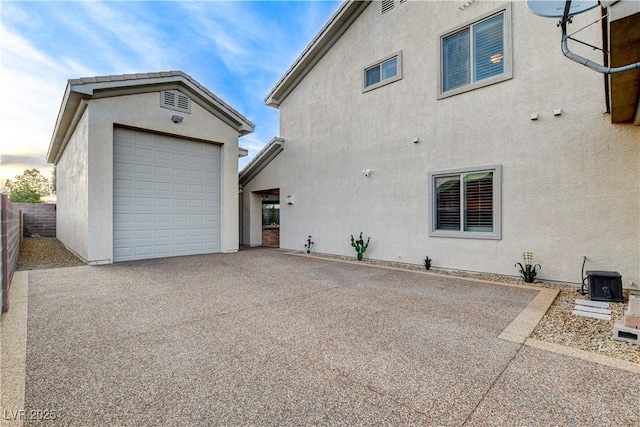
(155, 75)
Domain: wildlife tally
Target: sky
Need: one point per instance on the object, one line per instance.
(236, 49)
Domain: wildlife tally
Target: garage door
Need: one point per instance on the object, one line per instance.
(166, 196)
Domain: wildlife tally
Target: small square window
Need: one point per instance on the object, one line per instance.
(466, 203)
(476, 54)
(383, 72)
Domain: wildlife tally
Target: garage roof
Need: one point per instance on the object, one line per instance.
(79, 90)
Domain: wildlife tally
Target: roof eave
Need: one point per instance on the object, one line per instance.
(337, 25)
(79, 90)
(261, 160)
(66, 120)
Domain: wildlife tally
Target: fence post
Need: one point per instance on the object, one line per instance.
(5, 252)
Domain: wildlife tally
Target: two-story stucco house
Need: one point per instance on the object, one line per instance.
(459, 131)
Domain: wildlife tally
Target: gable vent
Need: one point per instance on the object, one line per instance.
(387, 5)
(174, 100)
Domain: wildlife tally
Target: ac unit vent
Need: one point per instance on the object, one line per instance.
(605, 286)
(174, 100)
(387, 5)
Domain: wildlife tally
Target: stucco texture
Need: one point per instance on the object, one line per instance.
(570, 183)
(72, 194)
(85, 215)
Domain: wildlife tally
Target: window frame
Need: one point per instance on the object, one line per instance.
(508, 56)
(379, 63)
(496, 234)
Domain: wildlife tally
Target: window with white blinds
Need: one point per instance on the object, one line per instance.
(488, 48)
(466, 203)
(476, 54)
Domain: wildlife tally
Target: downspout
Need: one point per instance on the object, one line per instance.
(582, 60)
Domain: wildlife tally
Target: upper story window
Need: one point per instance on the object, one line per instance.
(476, 54)
(383, 72)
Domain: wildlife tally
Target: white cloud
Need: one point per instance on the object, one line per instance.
(125, 27)
(32, 91)
(237, 49)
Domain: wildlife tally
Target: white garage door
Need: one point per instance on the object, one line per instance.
(166, 196)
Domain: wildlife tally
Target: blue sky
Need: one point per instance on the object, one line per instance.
(237, 49)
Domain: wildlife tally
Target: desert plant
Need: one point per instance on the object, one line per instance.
(528, 271)
(427, 263)
(359, 245)
(308, 245)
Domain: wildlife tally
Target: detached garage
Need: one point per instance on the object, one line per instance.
(147, 167)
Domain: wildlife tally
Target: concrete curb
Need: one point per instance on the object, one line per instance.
(523, 325)
(584, 355)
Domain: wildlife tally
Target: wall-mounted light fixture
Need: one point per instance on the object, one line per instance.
(177, 119)
(367, 172)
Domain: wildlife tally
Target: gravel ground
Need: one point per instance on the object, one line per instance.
(558, 325)
(38, 253)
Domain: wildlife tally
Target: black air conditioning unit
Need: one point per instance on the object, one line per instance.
(605, 286)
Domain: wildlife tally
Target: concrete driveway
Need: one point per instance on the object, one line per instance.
(265, 338)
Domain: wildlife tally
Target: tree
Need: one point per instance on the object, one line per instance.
(54, 180)
(29, 187)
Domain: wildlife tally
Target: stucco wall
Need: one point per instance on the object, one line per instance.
(85, 170)
(273, 176)
(570, 184)
(143, 111)
(72, 180)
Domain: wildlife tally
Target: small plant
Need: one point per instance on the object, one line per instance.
(359, 245)
(427, 263)
(308, 245)
(528, 271)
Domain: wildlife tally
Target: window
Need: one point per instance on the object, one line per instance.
(476, 54)
(466, 203)
(383, 72)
